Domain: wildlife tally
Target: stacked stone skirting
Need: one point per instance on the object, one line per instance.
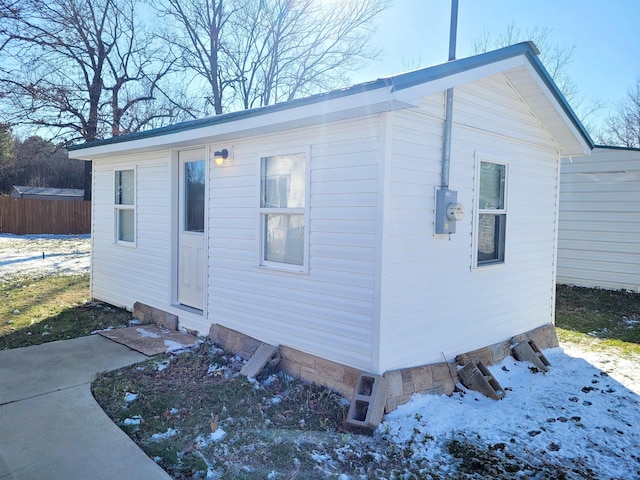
(436, 378)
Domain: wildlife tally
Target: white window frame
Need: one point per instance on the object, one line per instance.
(502, 212)
(264, 211)
(118, 207)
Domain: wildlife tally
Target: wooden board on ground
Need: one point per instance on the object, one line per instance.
(151, 339)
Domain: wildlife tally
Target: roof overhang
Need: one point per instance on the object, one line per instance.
(255, 122)
(519, 64)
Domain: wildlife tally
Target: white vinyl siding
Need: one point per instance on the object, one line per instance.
(599, 240)
(123, 276)
(435, 304)
(329, 311)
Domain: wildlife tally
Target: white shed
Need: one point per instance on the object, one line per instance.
(599, 241)
(317, 231)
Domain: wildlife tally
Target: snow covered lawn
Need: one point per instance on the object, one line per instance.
(43, 255)
(577, 416)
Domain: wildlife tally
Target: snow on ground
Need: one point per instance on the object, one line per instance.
(63, 255)
(575, 415)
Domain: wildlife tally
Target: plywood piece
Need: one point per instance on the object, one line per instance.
(151, 339)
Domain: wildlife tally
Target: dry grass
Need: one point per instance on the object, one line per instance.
(46, 309)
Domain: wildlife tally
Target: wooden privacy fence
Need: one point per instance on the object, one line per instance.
(22, 216)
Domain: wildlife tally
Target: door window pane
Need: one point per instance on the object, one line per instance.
(194, 196)
(492, 177)
(284, 238)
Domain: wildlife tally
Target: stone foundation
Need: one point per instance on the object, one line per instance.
(441, 378)
(545, 337)
(436, 378)
(147, 314)
(300, 365)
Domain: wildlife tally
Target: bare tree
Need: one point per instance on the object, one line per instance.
(6, 153)
(623, 125)
(555, 58)
(197, 34)
(250, 53)
(78, 69)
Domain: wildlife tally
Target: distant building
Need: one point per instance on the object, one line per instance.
(600, 220)
(47, 193)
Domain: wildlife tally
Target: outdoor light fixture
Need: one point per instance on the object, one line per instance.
(219, 156)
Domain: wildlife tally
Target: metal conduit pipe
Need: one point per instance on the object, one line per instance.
(448, 112)
(448, 211)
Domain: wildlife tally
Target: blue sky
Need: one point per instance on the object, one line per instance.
(605, 33)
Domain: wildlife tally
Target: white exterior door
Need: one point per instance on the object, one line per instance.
(192, 261)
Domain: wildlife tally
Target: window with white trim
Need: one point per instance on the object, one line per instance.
(283, 211)
(492, 214)
(125, 206)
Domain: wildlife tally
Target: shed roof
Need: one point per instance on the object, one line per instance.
(49, 191)
(519, 63)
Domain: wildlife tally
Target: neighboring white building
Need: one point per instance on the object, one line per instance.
(599, 241)
(317, 230)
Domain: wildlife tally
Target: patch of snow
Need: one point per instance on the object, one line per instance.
(130, 397)
(160, 366)
(135, 420)
(320, 457)
(43, 255)
(173, 346)
(203, 441)
(158, 437)
(575, 415)
(146, 333)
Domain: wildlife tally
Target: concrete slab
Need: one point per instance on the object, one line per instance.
(26, 372)
(66, 435)
(50, 425)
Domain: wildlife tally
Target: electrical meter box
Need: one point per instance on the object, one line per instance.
(448, 211)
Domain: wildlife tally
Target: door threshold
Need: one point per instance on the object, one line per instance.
(187, 308)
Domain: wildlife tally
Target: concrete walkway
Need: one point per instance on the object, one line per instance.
(50, 425)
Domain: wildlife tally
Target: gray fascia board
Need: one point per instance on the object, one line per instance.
(617, 147)
(238, 115)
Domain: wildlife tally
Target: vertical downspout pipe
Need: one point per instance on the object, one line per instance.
(448, 113)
